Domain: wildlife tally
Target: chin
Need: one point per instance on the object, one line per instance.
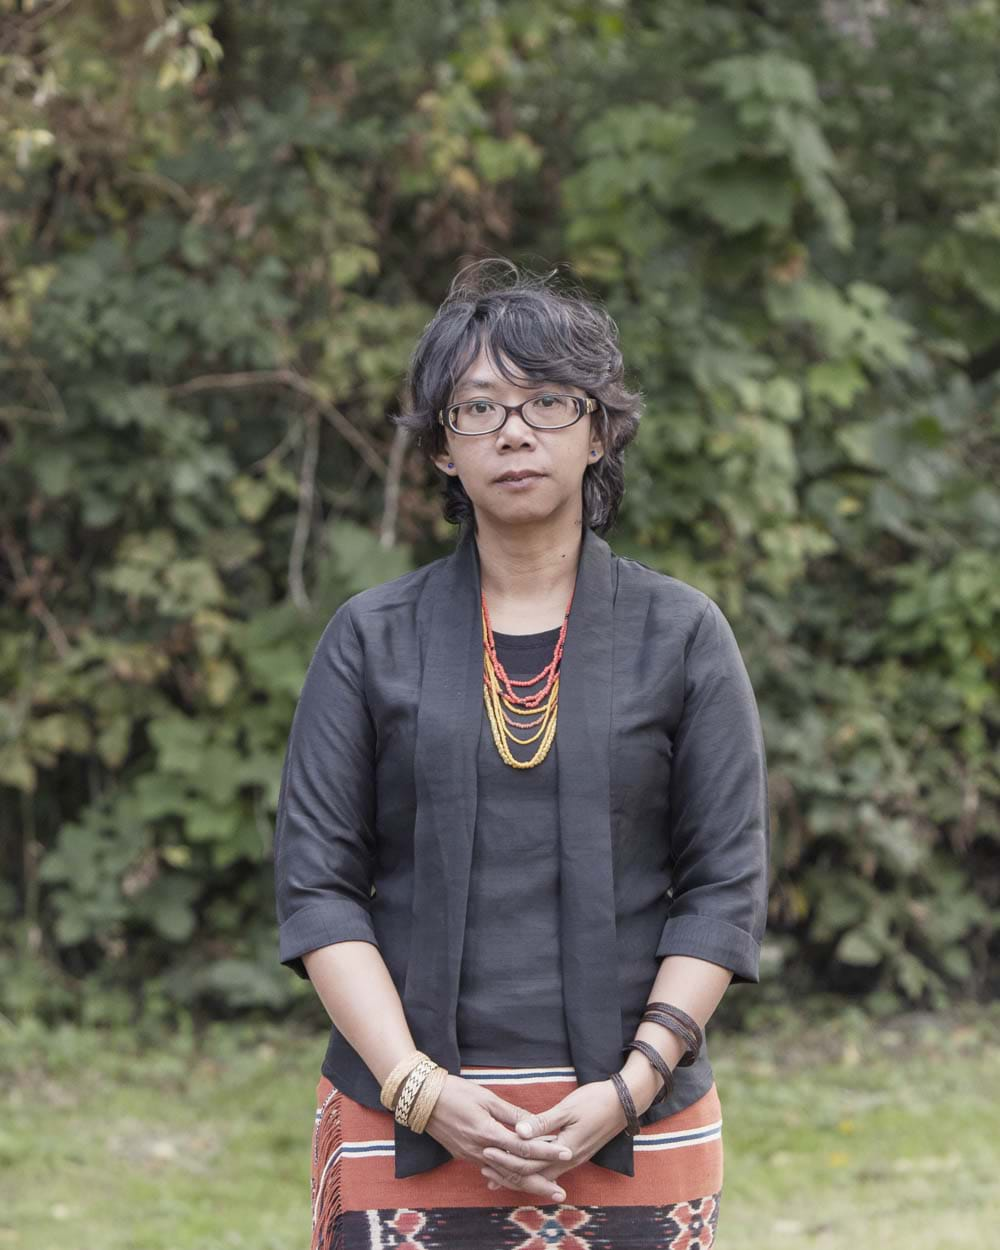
(521, 512)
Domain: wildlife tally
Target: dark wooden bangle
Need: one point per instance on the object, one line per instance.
(658, 1062)
(631, 1115)
(661, 1017)
(687, 1022)
(668, 1022)
(681, 1017)
(692, 1040)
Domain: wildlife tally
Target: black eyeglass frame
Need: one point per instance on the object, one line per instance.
(583, 406)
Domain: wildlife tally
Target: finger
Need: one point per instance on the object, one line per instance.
(509, 1149)
(506, 1112)
(543, 1124)
(540, 1186)
(523, 1163)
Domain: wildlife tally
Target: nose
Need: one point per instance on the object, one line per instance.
(515, 430)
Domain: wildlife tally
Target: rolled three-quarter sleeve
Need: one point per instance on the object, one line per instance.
(719, 824)
(324, 845)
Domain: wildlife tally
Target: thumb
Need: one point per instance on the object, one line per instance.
(541, 1123)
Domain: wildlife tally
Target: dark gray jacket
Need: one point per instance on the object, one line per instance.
(664, 835)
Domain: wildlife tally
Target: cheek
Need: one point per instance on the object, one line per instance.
(582, 447)
(470, 464)
(474, 474)
(581, 459)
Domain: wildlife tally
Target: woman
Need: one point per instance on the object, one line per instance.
(522, 838)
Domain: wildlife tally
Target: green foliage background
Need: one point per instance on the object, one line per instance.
(223, 226)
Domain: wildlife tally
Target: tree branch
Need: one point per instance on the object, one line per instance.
(390, 509)
(307, 490)
(296, 382)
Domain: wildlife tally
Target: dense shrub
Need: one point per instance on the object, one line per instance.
(221, 237)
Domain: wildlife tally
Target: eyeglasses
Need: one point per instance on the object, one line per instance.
(544, 412)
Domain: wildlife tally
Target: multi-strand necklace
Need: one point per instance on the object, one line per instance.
(501, 698)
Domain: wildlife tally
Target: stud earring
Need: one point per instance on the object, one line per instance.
(450, 465)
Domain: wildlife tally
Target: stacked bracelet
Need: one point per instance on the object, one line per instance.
(394, 1081)
(411, 1090)
(679, 1022)
(658, 1062)
(411, 1087)
(424, 1102)
(625, 1095)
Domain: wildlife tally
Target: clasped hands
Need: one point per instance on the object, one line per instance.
(523, 1150)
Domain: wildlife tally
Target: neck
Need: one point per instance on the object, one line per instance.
(528, 573)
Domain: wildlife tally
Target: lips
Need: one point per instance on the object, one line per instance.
(517, 475)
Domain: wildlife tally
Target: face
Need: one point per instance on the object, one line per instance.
(555, 459)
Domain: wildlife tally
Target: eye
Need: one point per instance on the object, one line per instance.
(475, 405)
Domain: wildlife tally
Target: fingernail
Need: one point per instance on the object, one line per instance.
(558, 1196)
(524, 1127)
(565, 1153)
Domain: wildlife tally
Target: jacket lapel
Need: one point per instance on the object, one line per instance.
(587, 900)
(449, 719)
(445, 777)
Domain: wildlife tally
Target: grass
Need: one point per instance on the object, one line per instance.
(890, 1138)
(838, 1133)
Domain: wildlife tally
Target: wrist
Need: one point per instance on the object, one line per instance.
(643, 1081)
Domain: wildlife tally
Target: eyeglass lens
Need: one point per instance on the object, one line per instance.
(478, 416)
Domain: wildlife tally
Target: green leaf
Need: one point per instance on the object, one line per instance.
(16, 769)
(957, 963)
(253, 497)
(856, 440)
(858, 949)
(739, 199)
(167, 905)
(840, 382)
(359, 558)
(180, 743)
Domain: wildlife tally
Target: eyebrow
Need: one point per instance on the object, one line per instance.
(485, 384)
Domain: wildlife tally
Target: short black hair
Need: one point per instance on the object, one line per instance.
(550, 335)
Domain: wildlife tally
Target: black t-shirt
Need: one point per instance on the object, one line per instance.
(510, 1003)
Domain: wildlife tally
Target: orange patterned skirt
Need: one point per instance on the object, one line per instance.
(671, 1203)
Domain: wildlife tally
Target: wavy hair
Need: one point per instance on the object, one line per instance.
(550, 335)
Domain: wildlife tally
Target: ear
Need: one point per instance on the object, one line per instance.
(596, 448)
(443, 461)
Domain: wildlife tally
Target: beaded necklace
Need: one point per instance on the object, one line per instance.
(500, 697)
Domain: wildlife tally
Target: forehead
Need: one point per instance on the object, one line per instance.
(482, 377)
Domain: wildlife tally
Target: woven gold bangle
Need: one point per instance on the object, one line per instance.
(411, 1085)
(392, 1083)
(425, 1101)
